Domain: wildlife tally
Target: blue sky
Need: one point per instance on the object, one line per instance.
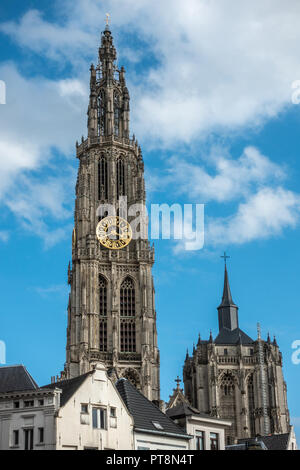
(211, 105)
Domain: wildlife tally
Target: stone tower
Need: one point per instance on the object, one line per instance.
(223, 377)
(111, 312)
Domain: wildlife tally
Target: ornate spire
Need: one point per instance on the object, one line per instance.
(227, 297)
(107, 54)
(228, 311)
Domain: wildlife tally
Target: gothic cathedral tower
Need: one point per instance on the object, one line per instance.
(111, 312)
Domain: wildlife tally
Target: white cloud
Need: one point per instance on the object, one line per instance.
(260, 207)
(39, 203)
(265, 214)
(42, 118)
(215, 71)
(227, 180)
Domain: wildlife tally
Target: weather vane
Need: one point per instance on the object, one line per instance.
(225, 257)
(107, 19)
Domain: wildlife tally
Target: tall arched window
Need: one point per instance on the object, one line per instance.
(103, 314)
(120, 177)
(117, 112)
(101, 113)
(228, 404)
(251, 404)
(127, 316)
(102, 178)
(127, 298)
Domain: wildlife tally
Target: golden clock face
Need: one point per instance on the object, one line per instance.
(114, 232)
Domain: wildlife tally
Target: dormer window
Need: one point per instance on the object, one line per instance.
(157, 425)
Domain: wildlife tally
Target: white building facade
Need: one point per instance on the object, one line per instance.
(80, 414)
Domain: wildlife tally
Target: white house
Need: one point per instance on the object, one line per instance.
(86, 412)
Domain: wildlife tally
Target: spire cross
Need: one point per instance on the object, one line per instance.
(225, 257)
(107, 19)
(178, 380)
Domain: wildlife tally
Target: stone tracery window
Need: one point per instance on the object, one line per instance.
(127, 314)
(127, 298)
(228, 403)
(103, 314)
(227, 385)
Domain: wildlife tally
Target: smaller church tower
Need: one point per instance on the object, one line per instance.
(223, 377)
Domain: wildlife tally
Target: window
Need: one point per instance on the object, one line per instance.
(101, 113)
(84, 409)
(28, 439)
(251, 352)
(99, 418)
(102, 296)
(120, 178)
(251, 405)
(228, 402)
(102, 178)
(127, 298)
(16, 404)
(127, 311)
(227, 385)
(15, 438)
(28, 403)
(113, 412)
(117, 112)
(127, 333)
(103, 314)
(200, 440)
(214, 441)
(225, 352)
(103, 335)
(157, 425)
(41, 402)
(41, 435)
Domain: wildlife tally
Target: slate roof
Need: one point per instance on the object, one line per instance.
(16, 378)
(227, 336)
(144, 412)
(273, 442)
(183, 409)
(68, 387)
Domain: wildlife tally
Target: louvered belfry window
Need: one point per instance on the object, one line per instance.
(127, 316)
(103, 314)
